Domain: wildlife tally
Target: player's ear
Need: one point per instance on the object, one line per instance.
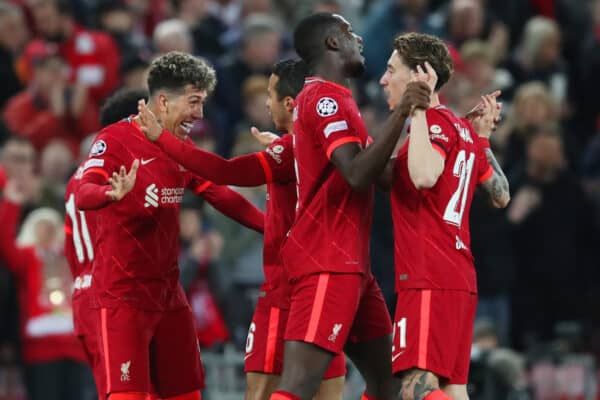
(162, 101)
(332, 43)
(288, 103)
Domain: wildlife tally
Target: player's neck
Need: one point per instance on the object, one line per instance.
(331, 72)
(435, 100)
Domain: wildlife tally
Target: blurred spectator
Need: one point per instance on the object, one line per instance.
(56, 166)
(92, 57)
(254, 98)
(532, 107)
(468, 19)
(51, 107)
(207, 29)
(54, 360)
(554, 239)
(495, 262)
(17, 158)
(381, 26)
(117, 19)
(495, 373)
(13, 37)
(199, 249)
(260, 49)
(134, 72)
(172, 35)
(538, 58)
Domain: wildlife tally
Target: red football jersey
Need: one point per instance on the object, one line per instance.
(80, 230)
(431, 226)
(333, 222)
(278, 163)
(137, 241)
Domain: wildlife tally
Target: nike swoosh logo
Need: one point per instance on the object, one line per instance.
(247, 356)
(148, 161)
(395, 356)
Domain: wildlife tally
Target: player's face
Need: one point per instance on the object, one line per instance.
(180, 112)
(279, 110)
(395, 79)
(351, 49)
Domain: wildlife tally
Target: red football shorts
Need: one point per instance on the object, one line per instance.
(328, 309)
(264, 346)
(145, 351)
(433, 331)
(85, 320)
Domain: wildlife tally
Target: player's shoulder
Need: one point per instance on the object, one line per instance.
(111, 135)
(286, 140)
(326, 97)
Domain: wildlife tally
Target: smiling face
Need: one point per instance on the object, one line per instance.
(394, 80)
(179, 111)
(350, 48)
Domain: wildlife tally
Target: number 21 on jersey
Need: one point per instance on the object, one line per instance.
(462, 169)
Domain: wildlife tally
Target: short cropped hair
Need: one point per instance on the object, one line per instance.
(310, 36)
(174, 70)
(291, 74)
(416, 48)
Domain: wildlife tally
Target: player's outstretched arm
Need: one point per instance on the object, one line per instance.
(240, 171)
(235, 206)
(95, 193)
(425, 164)
(497, 185)
(361, 168)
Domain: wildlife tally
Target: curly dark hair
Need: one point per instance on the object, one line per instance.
(174, 70)
(416, 48)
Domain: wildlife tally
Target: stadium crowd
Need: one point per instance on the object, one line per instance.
(537, 332)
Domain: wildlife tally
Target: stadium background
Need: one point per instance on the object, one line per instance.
(537, 335)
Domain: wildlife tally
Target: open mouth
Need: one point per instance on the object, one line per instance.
(186, 126)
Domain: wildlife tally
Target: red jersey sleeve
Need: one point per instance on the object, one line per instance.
(106, 156)
(246, 170)
(332, 121)
(229, 203)
(442, 134)
(485, 170)
(277, 160)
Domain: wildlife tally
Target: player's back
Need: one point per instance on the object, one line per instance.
(80, 230)
(279, 215)
(137, 237)
(431, 226)
(333, 222)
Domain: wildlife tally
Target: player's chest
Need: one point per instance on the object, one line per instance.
(160, 181)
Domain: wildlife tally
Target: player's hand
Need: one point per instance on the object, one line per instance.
(123, 182)
(485, 119)
(148, 122)
(265, 138)
(425, 74)
(416, 96)
(478, 111)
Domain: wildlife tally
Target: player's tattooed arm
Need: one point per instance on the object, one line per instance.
(497, 185)
(417, 384)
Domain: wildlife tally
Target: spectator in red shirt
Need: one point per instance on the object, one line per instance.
(51, 107)
(92, 57)
(53, 358)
